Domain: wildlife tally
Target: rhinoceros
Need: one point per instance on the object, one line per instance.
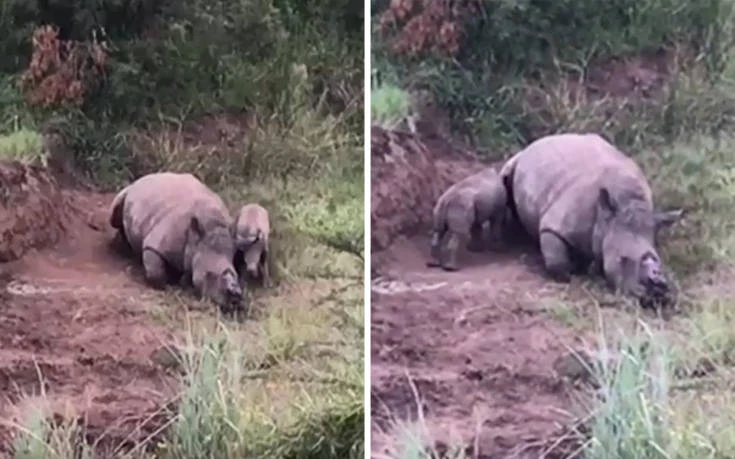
(583, 201)
(461, 211)
(252, 230)
(179, 227)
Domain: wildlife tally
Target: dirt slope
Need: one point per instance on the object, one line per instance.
(476, 342)
(77, 312)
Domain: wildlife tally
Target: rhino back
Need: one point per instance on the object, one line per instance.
(462, 192)
(490, 197)
(159, 207)
(556, 180)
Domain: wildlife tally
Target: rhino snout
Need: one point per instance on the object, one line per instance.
(233, 292)
(652, 276)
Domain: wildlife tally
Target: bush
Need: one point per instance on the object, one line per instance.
(479, 57)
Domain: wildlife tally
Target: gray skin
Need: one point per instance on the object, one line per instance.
(180, 227)
(585, 201)
(252, 230)
(460, 213)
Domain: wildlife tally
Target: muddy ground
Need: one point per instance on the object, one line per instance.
(74, 319)
(476, 344)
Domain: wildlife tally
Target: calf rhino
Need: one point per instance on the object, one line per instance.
(585, 201)
(461, 211)
(180, 227)
(252, 229)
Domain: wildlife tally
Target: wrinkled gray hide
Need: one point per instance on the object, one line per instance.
(180, 228)
(585, 201)
(460, 213)
(252, 230)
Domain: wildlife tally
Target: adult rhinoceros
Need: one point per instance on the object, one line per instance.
(585, 201)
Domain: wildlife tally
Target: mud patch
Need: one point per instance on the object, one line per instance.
(479, 343)
(76, 324)
(473, 349)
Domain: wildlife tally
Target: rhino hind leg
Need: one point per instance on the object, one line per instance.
(453, 245)
(154, 266)
(557, 257)
(477, 242)
(495, 232)
(435, 259)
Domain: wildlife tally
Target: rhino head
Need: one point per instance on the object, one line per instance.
(211, 251)
(624, 237)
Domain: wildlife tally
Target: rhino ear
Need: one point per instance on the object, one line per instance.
(668, 218)
(606, 202)
(196, 227)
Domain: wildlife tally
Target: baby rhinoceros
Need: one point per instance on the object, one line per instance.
(460, 214)
(252, 229)
(585, 201)
(180, 228)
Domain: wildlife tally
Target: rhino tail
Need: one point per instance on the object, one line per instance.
(116, 209)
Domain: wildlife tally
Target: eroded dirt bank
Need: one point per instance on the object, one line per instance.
(73, 314)
(476, 343)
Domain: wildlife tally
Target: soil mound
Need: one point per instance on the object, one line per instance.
(33, 210)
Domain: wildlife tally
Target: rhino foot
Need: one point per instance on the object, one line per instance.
(433, 263)
(155, 269)
(557, 261)
(450, 267)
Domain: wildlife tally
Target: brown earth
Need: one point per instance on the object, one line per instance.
(74, 312)
(476, 343)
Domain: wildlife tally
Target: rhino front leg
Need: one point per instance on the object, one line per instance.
(477, 243)
(155, 269)
(556, 257)
(436, 249)
(265, 271)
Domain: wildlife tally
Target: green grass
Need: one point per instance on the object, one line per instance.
(25, 146)
(389, 106)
